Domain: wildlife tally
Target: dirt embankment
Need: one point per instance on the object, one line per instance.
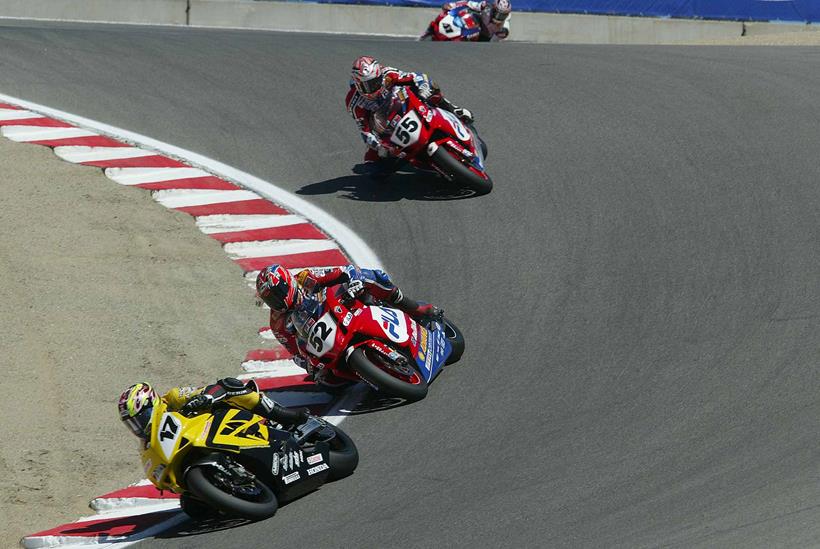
(101, 287)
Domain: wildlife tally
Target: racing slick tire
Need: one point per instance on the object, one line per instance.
(199, 483)
(456, 339)
(197, 510)
(343, 457)
(459, 173)
(363, 365)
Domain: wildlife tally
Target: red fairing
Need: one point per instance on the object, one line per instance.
(313, 281)
(412, 126)
(346, 325)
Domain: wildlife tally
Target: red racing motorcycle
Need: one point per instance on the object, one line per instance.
(433, 138)
(357, 339)
(459, 24)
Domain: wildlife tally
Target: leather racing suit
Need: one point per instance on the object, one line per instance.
(490, 30)
(362, 109)
(235, 393)
(375, 283)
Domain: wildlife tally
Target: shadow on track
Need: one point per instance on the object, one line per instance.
(405, 184)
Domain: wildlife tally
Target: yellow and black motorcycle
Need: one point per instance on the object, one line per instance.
(241, 464)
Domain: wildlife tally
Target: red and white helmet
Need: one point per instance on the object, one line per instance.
(500, 11)
(367, 76)
(277, 288)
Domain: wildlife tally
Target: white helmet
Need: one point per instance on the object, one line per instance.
(500, 11)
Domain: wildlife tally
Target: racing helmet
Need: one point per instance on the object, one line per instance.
(500, 11)
(276, 287)
(136, 406)
(367, 76)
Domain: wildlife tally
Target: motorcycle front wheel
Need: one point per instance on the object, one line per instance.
(344, 457)
(405, 383)
(254, 502)
(456, 339)
(459, 173)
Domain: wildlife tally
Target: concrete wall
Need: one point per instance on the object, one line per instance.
(344, 18)
(397, 21)
(170, 12)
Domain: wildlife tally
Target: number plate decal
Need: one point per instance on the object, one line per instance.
(392, 323)
(169, 430)
(407, 131)
(448, 26)
(322, 336)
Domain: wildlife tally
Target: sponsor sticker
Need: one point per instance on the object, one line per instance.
(157, 474)
(346, 321)
(318, 469)
(337, 309)
(314, 459)
(293, 477)
(274, 468)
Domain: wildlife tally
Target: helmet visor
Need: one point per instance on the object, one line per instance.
(140, 422)
(275, 298)
(500, 16)
(370, 86)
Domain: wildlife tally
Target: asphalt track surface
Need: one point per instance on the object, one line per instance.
(639, 293)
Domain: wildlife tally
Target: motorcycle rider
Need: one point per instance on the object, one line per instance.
(284, 294)
(136, 406)
(137, 402)
(494, 17)
(370, 86)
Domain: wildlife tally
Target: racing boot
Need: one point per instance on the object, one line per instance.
(415, 309)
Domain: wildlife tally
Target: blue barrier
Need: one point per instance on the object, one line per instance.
(804, 11)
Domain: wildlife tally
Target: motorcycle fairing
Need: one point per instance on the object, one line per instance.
(433, 348)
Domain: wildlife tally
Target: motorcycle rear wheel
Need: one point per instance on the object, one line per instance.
(459, 173)
(388, 384)
(199, 482)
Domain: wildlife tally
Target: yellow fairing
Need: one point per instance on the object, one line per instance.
(173, 436)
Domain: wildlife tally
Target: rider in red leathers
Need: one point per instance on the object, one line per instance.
(369, 91)
(494, 16)
(284, 293)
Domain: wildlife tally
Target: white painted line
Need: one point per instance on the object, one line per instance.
(95, 154)
(273, 368)
(183, 198)
(17, 114)
(351, 243)
(210, 224)
(136, 176)
(104, 505)
(24, 134)
(264, 248)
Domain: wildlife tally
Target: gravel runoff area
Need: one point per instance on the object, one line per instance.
(101, 287)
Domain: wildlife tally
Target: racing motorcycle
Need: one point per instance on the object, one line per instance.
(432, 138)
(459, 24)
(357, 338)
(239, 464)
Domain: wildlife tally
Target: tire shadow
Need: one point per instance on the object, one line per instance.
(405, 184)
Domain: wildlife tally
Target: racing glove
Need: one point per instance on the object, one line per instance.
(463, 114)
(425, 91)
(354, 288)
(197, 404)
